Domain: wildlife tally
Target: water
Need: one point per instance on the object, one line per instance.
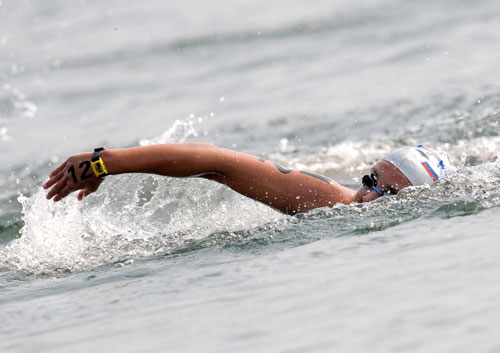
(150, 264)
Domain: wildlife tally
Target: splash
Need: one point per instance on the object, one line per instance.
(132, 216)
(179, 132)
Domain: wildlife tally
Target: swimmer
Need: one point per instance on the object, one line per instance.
(287, 190)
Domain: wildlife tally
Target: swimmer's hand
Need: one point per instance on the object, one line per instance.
(73, 175)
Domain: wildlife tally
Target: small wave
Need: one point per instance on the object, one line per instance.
(121, 222)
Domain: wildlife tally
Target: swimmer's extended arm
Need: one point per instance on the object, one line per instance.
(289, 191)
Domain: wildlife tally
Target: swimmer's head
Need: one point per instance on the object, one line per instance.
(408, 166)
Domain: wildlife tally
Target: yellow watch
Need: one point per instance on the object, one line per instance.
(97, 163)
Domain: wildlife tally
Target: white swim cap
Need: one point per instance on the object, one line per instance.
(421, 165)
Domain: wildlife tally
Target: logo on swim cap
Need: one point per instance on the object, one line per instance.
(421, 165)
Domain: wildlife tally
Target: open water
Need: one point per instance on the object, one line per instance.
(152, 264)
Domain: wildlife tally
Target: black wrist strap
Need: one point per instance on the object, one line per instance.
(97, 154)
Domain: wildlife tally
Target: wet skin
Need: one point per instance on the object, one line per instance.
(390, 180)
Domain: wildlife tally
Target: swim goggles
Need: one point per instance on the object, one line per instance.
(370, 183)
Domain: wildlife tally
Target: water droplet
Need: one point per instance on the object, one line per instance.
(222, 99)
(298, 197)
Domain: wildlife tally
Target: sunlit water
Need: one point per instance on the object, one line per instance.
(154, 264)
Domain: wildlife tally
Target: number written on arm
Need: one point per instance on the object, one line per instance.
(85, 173)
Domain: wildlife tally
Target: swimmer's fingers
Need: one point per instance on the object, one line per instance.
(65, 187)
(61, 195)
(53, 179)
(58, 188)
(56, 175)
(82, 194)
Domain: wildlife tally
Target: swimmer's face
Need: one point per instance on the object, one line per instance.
(390, 180)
